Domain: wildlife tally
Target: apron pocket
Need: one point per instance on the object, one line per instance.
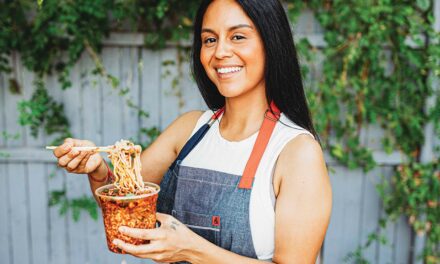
(201, 224)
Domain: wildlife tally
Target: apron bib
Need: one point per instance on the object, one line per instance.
(214, 204)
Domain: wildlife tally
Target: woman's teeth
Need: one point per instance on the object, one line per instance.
(229, 69)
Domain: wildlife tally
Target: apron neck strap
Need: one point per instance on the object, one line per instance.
(270, 119)
(216, 115)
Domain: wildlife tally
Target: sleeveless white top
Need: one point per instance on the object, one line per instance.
(216, 153)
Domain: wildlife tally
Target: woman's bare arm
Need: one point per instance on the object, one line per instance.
(158, 156)
(304, 201)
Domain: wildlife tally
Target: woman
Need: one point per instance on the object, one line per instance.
(246, 182)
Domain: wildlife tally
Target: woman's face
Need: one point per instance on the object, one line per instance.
(232, 51)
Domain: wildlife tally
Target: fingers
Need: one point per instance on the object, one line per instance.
(93, 162)
(64, 148)
(64, 160)
(80, 159)
(143, 249)
(146, 234)
(162, 217)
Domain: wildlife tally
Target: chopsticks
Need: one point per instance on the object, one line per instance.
(97, 149)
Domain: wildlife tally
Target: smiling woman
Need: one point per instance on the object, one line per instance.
(244, 181)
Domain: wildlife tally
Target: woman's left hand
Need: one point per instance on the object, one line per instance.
(171, 242)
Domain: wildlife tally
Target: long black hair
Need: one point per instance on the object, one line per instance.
(282, 71)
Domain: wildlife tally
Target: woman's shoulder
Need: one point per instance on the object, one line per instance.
(300, 142)
(185, 125)
(290, 126)
(190, 116)
(193, 120)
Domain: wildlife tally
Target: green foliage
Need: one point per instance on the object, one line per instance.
(13, 26)
(380, 60)
(59, 198)
(415, 192)
(42, 111)
(357, 255)
(51, 35)
(8, 136)
(372, 76)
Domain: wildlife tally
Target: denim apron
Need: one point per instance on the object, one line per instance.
(214, 204)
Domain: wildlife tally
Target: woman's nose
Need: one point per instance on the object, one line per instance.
(223, 50)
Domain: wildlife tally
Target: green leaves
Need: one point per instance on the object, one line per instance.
(76, 205)
(42, 112)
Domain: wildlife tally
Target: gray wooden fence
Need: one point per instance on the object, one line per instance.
(32, 232)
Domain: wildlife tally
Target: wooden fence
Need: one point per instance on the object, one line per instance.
(32, 232)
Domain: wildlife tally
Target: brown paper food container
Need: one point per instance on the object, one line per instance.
(137, 211)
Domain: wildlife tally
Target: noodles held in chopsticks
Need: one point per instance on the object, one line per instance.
(126, 161)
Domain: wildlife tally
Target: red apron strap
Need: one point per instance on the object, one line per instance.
(216, 115)
(270, 120)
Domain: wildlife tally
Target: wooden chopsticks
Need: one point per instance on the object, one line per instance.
(97, 149)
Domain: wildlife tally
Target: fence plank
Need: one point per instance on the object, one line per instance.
(18, 199)
(129, 76)
(150, 86)
(57, 224)
(190, 93)
(370, 212)
(169, 102)
(386, 252)
(5, 224)
(27, 79)
(343, 231)
(112, 114)
(77, 231)
(91, 102)
(402, 241)
(55, 91)
(11, 124)
(38, 201)
(3, 86)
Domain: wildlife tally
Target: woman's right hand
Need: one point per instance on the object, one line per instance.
(74, 161)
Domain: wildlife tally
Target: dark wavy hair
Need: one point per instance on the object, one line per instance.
(282, 71)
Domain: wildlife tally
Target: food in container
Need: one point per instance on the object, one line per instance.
(119, 209)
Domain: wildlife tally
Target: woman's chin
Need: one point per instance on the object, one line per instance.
(230, 91)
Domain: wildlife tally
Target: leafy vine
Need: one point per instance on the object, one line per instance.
(380, 62)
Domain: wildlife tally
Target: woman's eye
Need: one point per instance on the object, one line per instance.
(209, 40)
(238, 37)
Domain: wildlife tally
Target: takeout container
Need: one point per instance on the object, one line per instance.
(138, 211)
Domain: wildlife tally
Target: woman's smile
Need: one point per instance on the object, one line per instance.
(224, 72)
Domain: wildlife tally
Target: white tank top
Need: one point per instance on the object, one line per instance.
(216, 153)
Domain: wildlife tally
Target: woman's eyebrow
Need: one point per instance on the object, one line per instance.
(229, 29)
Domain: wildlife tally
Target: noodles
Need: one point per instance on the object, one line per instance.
(126, 161)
